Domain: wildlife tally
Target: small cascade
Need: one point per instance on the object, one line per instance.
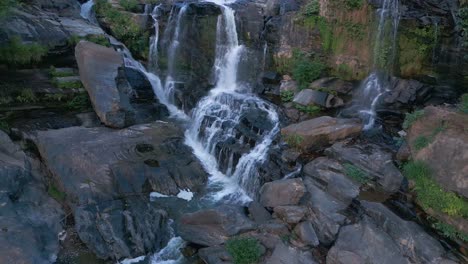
(154, 41)
(232, 129)
(367, 98)
(86, 11)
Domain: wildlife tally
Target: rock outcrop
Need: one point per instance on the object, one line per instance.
(282, 192)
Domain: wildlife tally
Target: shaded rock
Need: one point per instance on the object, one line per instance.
(288, 86)
(274, 227)
(404, 152)
(372, 159)
(213, 227)
(406, 92)
(258, 213)
(290, 214)
(306, 233)
(312, 97)
(332, 84)
(322, 131)
(282, 192)
(215, 255)
(329, 176)
(285, 254)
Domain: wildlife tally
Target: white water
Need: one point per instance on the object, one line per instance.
(153, 54)
(86, 11)
(375, 85)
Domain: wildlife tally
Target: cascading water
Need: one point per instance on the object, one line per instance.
(86, 11)
(153, 53)
(376, 84)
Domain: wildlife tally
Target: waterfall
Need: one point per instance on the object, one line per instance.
(367, 98)
(86, 11)
(154, 41)
(217, 117)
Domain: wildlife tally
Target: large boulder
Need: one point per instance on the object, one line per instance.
(375, 162)
(30, 220)
(312, 97)
(446, 151)
(213, 227)
(286, 254)
(282, 192)
(320, 132)
(107, 176)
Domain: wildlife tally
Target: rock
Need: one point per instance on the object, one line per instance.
(288, 86)
(274, 227)
(332, 84)
(98, 68)
(285, 254)
(414, 243)
(289, 213)
(271, 78)
(282, 192)
(445, 153)
(258, 213)
(329, 176)
(372, 159)
(213, 227)
(106, 176)
(404, 152)
(215, 255)
(364, 242)
(30, 220)
(312, 97)
(406, 92)
(306, 233)
(319, 132)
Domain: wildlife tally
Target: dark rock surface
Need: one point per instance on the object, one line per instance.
(282, 192)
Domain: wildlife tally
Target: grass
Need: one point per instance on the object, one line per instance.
(16, 53)
(287, 96)
(54, 73)
(356, 173)
(26, 96)
(450, 231)
(410, 118)
(354, 4)
(294, 140)
(464, 103)
(421, 142)
(430, 194)
(310, 109)
(98, 39)
(56, 194)
(244, 250)
(78, 102)
(67, 85)
(129, 5)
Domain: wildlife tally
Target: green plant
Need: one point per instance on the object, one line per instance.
(5, 7)
(80, 101)
(309, 109)
(410, 118)
(53, 72)
(306, 70)
(26, 96)
(98, 39)
(294, 140)
(16, 53)
(464, 103)
(56, 194)
(4, 126)
(68, 84)
(421, 142)
(356, 173)
(287, 96)
(54, 97)
(130, 5)
(354, 4)
(244, 250)
(312, 8)
(450, 231)
(430, 194)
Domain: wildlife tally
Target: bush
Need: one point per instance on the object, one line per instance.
(410, 118)
(305, 71)
(16, 53)
(356, 173)
(130, 5)
(421, 142)
(312, 8)
(430, 194)
(26, 96)
(287, 96)
(244, 250)
(354, 4)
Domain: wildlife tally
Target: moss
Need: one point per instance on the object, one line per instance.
(421, 142)
(244, 250)
(356, 173)
(294, 141)
(430, 194)
(16, 53)
(310, 109)
(410, 118)
(56, 194)
(287, 96)
(416, 46)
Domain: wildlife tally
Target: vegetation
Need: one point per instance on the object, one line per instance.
(356, 173)
(244, 250)
(309, 109)
(430, 194)
(421, 142)
(416, 48)
(305, 70)
(294, 140)
(130, 5)
(98, 39)
(56, 194)
(410, 118)
(450, 231)
(287, 96)
(56, 73)
(75, 84)
(463, 15)
(80, 101)
(26, 96)
(5, 7)
(16, 53)
(464, 103)
(354, 4)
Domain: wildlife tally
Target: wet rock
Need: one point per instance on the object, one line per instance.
(215, 255)
(320, 132)
(289, 213)
(306, 233)
(106, 178)
(312, 97)
(287, 254)
(213, 227)
(282, 192)
(373, 160)
(258, 213)
(329, 176)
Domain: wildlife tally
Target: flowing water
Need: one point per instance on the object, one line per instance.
(86, 11)
(368, 96)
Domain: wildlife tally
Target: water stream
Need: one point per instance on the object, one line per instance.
(87, 12)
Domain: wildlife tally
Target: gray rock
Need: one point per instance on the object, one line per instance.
(289, 213)
(215, 255)
(285, 254)
(282, 192)
(274, 227)
(213, 227)
(258, 213)
(372, 159)
(312, 97)
(314, 134)
(306, 233)
(332, 84)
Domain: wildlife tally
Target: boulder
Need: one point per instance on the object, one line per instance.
(447, 148)
(332, 84)
(107, 175)
(258, 213)
(215, 255)
(286, 254)
(320, 132)
(290, 214)
(30, 220)
(282, 192)
(306, 233)
(98, 68)
(374, 161)
(213, 227)
(312, 97)
(274, 227)
(288, 86)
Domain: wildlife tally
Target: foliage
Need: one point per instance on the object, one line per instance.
(130, 5)
(244, 250)
(416, 47)
(56, 194)
(26, 96)
(80, 101)
(98, 39)
(309, 109)
(463, 21)
(5, 7)
(430, 194)
(287, 96)
(354, 4)
(343, 71)
(450, 231)
(410, 118)
(464, 103)
(294, 140)
(67, 85)
(16, 53)
(4, 126)
(312, 8)
(306, 70)
(54, 97)
(421, 142)
(356, 173)
(53, 72)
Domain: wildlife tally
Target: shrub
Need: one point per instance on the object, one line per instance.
(305, 71)
(130, 5)
(26, 96)
(354, 4)
(312, 8)
(287, 96)
(430, 194)
(356, 173)
(18, 54)
(464, 103)
(410, 118)
(244, 250)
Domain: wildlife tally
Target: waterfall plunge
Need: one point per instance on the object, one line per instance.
(86, 11)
